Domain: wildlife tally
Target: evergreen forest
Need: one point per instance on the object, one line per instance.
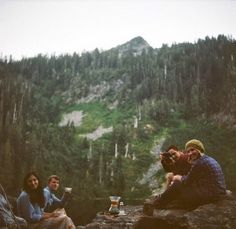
(146, 95)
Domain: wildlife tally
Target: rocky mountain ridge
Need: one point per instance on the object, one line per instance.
(135, 46)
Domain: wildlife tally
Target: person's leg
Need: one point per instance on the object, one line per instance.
(148, 208)
(169, 179)
(172, 193)
(192, 197)
(66, 222)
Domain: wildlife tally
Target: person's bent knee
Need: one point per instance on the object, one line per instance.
(169, 176)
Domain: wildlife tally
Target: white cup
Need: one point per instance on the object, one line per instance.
(67, 189)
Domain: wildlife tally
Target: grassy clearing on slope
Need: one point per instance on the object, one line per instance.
(97, 114)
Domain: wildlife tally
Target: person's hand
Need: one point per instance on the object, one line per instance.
(67, 195)
(177, 178)
(170, 157)
(55, 214)
(161, 155)
(47, 215)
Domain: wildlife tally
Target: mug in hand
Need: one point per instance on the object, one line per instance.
(67, 189)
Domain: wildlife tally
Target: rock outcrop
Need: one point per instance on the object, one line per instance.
(211, 216)
(219, 215)
(105, 221)
(135, 46)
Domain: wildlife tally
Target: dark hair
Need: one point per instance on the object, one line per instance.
(36, 196)
(53, 177)
(172, 147)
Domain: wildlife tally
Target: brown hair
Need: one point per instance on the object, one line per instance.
(53, 177)
(36, 196)
(172, 147)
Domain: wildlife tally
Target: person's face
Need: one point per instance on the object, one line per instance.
(193, 153)
(53, 184)
(174, 153)
(33, 182)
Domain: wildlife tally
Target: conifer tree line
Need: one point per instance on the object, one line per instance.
(188, 80)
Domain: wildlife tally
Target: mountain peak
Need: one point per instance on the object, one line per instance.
(135, 46)
(138, 40)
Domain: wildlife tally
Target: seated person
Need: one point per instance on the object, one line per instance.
(52, 202)
(174, 162)
(203, 184)
(30, 206)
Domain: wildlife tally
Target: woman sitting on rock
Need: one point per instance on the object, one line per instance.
(30, 206)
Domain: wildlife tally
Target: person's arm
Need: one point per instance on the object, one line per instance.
(193, 173)
(58, 202)
(47, 215)
(27, 211)
(52, 202)
(63, 201)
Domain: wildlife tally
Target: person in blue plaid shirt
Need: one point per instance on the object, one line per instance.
(203, 184)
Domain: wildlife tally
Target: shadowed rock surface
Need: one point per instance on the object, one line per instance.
(219, 215)
(105, 221)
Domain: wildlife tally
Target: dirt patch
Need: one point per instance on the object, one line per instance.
(73, 117)
(98, 133)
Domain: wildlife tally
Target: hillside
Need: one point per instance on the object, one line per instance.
(134, 94)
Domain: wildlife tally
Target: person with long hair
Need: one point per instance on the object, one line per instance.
(30, 205)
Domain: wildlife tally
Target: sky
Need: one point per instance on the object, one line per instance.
(54, 27)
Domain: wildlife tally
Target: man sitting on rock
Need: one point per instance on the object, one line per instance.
(203, 184)
(52, 202)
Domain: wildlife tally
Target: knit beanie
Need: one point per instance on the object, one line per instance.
(195, 144)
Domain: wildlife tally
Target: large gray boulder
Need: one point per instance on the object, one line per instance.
(219, 215)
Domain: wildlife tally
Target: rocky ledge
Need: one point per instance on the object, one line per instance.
(104, 220)
(210, 216)
(220, 215)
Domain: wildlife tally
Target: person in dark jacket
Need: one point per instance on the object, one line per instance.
(174, 162)
(204, 183)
